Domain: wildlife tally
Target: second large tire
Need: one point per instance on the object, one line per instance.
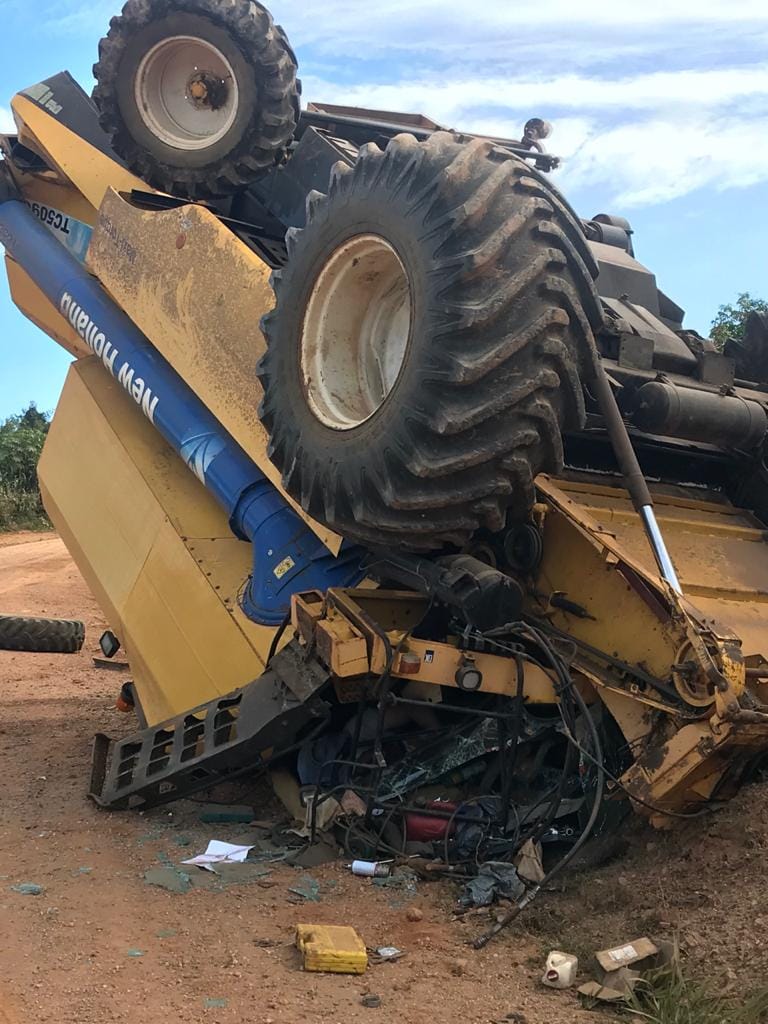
(199, 97)
(48, 636)
(483, 333)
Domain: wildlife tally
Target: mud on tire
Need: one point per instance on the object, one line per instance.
(53, 636)
(265, 102)
(502, 312)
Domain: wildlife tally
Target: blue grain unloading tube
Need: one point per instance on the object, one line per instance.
(287, 556)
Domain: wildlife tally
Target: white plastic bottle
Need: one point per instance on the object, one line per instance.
(560, 969)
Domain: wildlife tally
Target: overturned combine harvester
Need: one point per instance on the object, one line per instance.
(485, 522)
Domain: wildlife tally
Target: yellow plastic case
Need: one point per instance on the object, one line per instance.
(334, 948)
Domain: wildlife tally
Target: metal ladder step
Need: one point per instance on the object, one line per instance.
(213, 742)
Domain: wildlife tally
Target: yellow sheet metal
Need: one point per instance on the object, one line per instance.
(153, 546)
(35, 305)
(90, 171)
(720, 552)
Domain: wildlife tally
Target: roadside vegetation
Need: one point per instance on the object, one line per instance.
(731, 318)
(21, 441)
(673, 998)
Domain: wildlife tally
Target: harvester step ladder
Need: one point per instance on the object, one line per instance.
(214, 742)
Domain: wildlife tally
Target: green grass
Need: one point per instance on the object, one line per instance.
(21, 510)
(672, 998)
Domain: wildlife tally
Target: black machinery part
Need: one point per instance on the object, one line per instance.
(484, 597)
(214, 742)
(725, 420)
(610, 230)
(524, 547)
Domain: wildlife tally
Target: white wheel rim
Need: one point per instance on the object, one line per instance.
(186, 92)
(355, 332)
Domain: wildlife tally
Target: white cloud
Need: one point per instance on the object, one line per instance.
(509, 35)
(339, 23)
(658, 160)
(652, 160)
(649, 100)
(444, 100)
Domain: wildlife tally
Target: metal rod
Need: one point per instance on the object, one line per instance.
(633, 474)
(648, 517)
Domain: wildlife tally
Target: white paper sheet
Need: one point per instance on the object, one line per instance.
(218, 852)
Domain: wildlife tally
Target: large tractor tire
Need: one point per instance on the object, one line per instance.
(199, 97)
(50, 636)
(427, 347)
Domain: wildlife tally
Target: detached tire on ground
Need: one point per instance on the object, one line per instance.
(428, 343)
(52, 636)
(199, 97)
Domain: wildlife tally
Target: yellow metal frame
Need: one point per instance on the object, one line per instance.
(354, 631)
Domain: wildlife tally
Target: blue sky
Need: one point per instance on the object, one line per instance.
(660, 110)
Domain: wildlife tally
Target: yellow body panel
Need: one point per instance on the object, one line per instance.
(719, 552)
(339, 628)
(90, 170)
(48, 189)
(582, 560)
(153, 546)
(36, 307)
(198, 294)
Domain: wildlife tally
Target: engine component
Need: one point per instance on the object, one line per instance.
(523, 547)
(429, 338)
(200, 98)
(485, 597)
(725, 420)
(610, 230)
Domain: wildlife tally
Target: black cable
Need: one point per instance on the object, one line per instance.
(510, 742)
(566, 712)
(277, 637)
(483, 939)
(610, 775)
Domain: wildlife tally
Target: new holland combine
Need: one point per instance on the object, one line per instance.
(381, 462)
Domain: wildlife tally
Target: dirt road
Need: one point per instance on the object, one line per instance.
(101, 945)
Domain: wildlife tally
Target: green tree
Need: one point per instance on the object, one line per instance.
(21, 441)
(730, 318)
